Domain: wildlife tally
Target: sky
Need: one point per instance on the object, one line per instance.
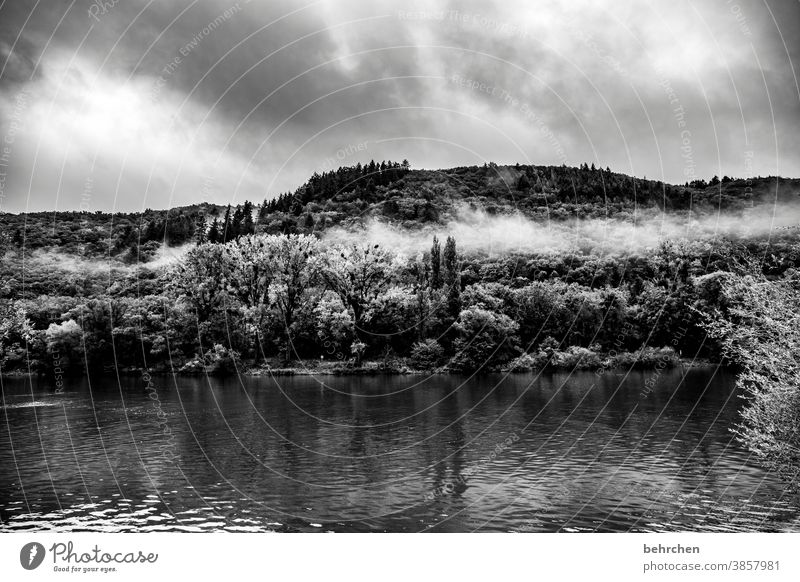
(130, 104)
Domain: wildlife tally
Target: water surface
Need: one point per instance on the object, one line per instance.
(545, 453)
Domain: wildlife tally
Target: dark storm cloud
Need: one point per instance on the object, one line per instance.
(19, 66)
(148, 103)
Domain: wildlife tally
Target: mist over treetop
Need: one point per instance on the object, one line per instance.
(528, 208)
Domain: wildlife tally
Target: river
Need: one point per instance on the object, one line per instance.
(637, 451)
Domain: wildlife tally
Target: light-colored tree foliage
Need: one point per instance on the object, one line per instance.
(760, 331)
(202, 278)
(358, 275)
(296, 271)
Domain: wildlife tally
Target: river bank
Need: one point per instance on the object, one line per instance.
(369, 368)
(558, 362)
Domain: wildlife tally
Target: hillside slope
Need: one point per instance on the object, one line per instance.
(396, 195)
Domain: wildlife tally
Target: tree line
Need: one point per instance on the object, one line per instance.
(281, 298)
(388, 191)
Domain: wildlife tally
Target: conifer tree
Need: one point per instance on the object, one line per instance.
(436, 264)
(226, 226)
(213, 232)
(200, 229)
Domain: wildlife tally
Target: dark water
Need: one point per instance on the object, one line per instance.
(558, 452)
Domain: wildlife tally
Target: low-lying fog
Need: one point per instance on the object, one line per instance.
(479, 231)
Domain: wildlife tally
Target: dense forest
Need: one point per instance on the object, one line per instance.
(393, 193)
(216, 289)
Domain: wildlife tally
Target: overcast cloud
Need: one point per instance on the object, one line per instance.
(136, 104)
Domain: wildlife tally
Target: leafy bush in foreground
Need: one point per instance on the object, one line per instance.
(760, 331)
(427, 354)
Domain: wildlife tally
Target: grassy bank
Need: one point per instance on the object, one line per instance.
(572, 359)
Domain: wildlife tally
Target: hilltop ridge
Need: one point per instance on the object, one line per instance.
(393, 193)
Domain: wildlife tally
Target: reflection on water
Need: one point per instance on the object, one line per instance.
(556, 452)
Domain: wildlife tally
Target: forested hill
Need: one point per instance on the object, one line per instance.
(393, 193)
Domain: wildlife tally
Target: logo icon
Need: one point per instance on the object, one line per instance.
(31, 555)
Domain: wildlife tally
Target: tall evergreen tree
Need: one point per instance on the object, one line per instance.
(248, 227)
(200, 229)
(237, 223)
(214, 236)
(452, 277)
(265, 209)
(226, 226)
(436, 264)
